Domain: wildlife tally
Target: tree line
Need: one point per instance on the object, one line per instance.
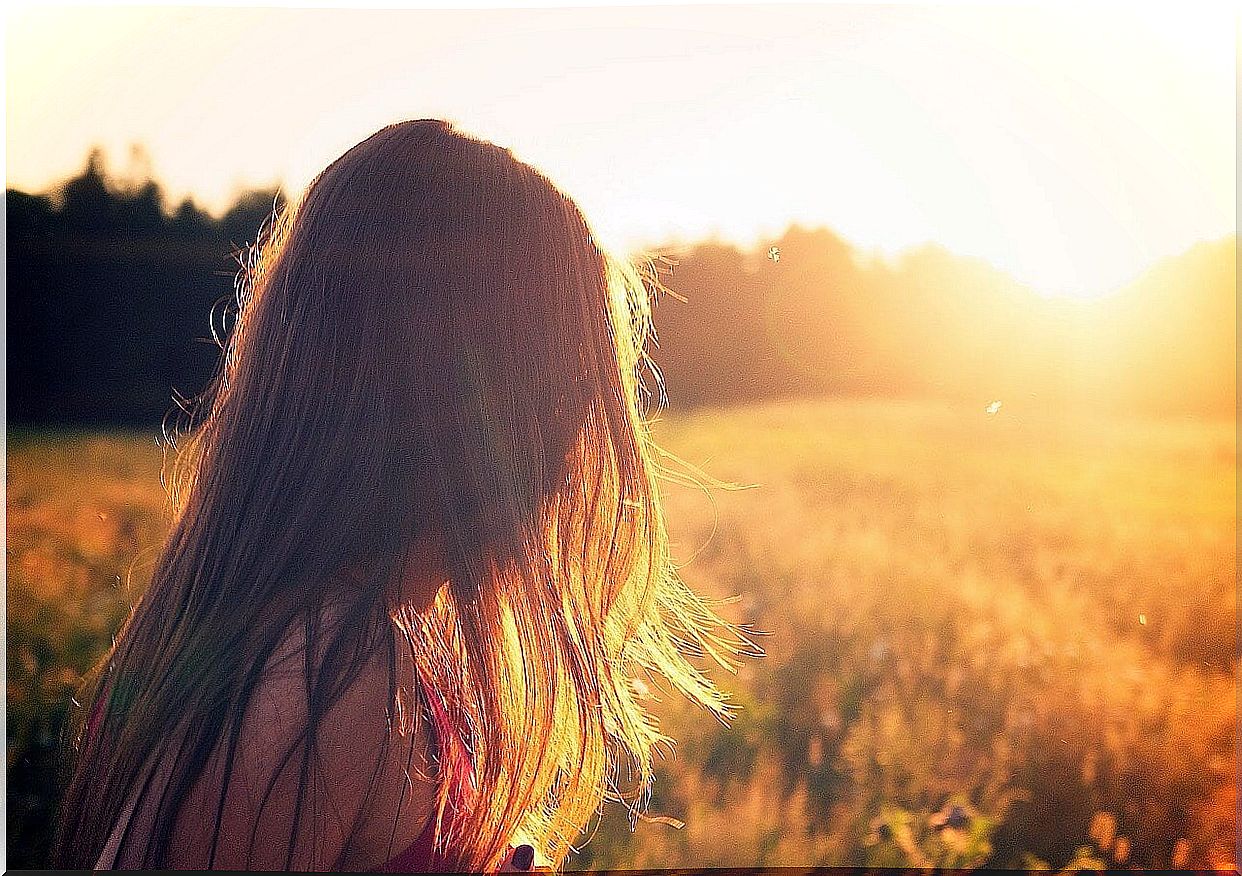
(110, 291)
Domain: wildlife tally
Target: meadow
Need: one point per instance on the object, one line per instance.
(1000, 639)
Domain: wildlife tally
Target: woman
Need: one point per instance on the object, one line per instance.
(418, 565)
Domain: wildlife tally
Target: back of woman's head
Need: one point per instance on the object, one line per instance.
(438, 297)
(430, 342)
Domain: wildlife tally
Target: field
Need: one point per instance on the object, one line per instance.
(1003, 639)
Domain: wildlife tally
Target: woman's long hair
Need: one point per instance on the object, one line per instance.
(430, 338)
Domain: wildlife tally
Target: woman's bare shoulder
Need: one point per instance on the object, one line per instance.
(368, 789)
(381, 757)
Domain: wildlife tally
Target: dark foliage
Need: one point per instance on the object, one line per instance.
(110, 297)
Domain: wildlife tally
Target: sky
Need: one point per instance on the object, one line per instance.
(1071, 146)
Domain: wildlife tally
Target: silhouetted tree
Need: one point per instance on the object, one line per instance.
(87, 204)
(250, 211)
(189, 221)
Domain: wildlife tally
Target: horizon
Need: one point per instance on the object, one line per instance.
(119, 184)
(1072, 153)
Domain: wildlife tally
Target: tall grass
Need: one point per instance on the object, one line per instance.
(1003, 639)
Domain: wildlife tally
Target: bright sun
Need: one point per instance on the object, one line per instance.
(1070, 148)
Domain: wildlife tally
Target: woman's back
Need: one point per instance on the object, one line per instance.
(372, 802)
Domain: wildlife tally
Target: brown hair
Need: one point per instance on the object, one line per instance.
(432, 337)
